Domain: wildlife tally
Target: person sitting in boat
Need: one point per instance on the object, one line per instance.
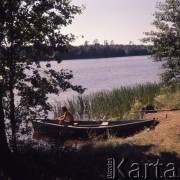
(67, 118)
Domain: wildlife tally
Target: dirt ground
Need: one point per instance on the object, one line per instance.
(167, 132)
(164, 115)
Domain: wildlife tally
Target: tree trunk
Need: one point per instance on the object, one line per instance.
(13, 122)
(5, 153)
(12, 74)
(9, 166)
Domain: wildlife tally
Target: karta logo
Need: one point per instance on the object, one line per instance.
(121, 169)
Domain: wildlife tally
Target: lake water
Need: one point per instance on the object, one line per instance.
(107, 73)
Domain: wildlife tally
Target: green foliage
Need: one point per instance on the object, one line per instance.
(96, 50)
(115, 103)
(166, 40)
(132, 114)
(169, 97)
(30, 31)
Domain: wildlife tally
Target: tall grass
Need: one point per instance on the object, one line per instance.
(169, 98)
(114, 103)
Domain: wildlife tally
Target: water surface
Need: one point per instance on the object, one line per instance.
(107, 73)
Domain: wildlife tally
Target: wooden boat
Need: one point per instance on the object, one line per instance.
(90, 129)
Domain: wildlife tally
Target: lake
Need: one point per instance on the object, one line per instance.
(107, 73)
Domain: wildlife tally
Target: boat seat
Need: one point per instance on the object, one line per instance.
(104, 123)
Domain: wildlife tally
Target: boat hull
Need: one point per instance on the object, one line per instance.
(89, 129)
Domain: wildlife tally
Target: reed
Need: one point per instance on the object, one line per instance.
(109, 104)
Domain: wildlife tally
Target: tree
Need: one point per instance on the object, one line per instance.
(166, 41)
(30, 31)
(96, 42)
(6, 156)
(106, 43)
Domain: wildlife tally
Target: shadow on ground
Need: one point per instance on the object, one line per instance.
(97, 163)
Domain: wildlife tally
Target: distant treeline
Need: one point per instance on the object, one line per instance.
(103, 51)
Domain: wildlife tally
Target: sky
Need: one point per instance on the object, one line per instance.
(119, 20)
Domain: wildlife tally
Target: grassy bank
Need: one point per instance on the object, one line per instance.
(90, 161)
(159, 145)
(121, 103)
